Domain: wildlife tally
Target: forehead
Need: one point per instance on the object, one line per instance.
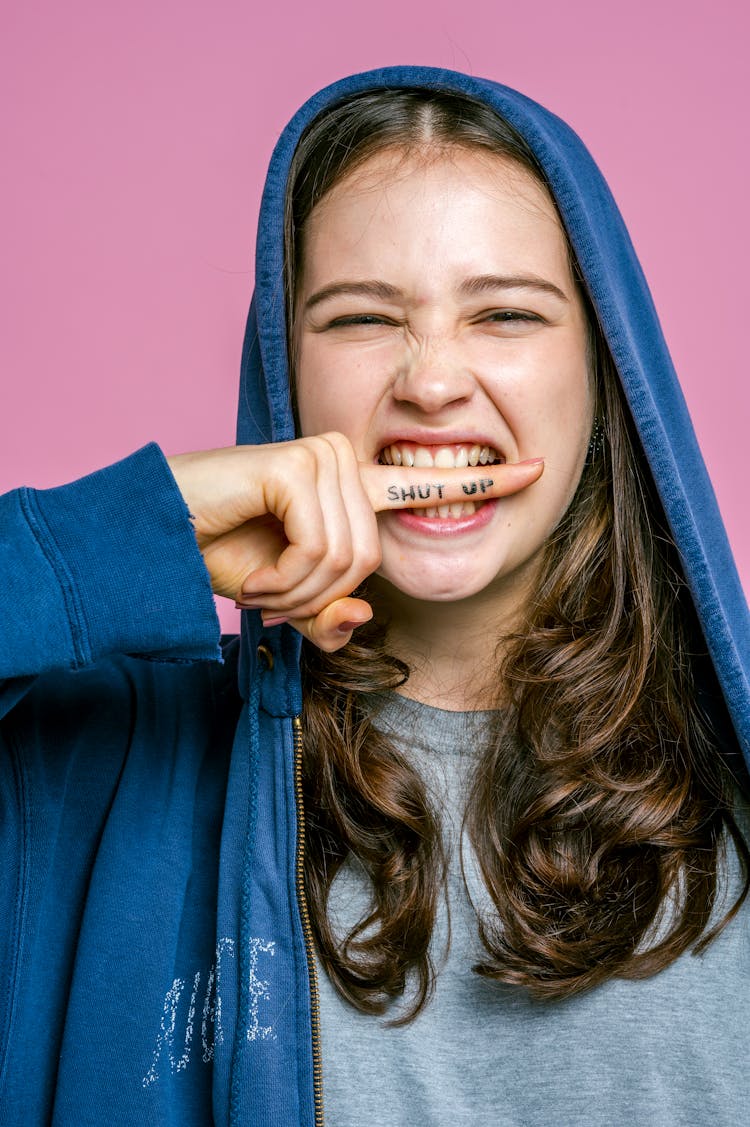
(452, 203)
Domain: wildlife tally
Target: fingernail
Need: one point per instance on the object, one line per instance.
(347, 627)
(530, 462)
(275, 621)
(248, 606)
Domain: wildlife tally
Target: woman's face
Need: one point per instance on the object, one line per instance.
(438, 320)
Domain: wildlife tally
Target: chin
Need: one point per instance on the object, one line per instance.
(425, 588)
(504, 589)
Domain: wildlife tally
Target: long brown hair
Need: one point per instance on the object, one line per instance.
(600, 808)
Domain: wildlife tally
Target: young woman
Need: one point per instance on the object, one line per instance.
(439, 840)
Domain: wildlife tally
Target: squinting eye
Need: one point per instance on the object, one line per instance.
(503, 316)
(358, 319)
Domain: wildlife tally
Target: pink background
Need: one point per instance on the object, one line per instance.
(134, 143)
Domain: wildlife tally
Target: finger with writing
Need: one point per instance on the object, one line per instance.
(399, 487)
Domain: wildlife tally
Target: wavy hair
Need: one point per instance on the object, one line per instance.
(600, 808)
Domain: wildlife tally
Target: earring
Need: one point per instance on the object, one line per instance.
(596, 443)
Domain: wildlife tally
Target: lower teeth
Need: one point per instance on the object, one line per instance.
(458, 509)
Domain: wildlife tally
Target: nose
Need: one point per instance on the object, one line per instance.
(432, 379)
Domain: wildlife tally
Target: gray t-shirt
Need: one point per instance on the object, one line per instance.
(665, 1052)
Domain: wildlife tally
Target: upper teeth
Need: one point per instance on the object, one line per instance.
(445, 457)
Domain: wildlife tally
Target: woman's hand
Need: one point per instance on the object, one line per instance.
(287, 528)
(290, 528)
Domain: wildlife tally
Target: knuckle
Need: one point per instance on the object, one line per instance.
(369, 557)
(343, 450)
(372, 558)
(314, 547)
(340, 558)
(336, 439)
(318, 446)
(298, 458)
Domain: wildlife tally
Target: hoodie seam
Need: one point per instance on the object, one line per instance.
(75, 618)
(19, 909)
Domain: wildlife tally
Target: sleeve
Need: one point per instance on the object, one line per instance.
(106, 564)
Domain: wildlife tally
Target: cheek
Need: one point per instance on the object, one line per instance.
(317, 407)
(550, 413)
(568, 433)
(545, 398)
(335, 389)
(319, 391)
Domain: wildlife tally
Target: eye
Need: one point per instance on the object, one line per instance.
(510, 316)
(358, 319)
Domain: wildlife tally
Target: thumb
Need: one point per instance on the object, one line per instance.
(333, 627)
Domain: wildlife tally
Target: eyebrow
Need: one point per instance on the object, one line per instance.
(470, 287)
(485, 282)
(380, 290)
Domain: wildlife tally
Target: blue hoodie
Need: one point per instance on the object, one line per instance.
(156, 965)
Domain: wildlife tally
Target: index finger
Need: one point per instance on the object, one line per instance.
(413, 487)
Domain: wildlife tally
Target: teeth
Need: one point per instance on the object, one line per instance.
(444, 458)
(454, 511)
(441, 457)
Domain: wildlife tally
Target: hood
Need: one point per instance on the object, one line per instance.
(621, 299)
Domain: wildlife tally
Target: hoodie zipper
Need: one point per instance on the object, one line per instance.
(307, 927)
